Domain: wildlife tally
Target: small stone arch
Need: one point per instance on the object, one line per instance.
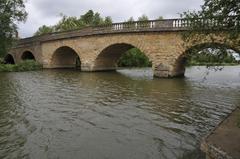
(28, 55)
(9, 59)
(65, 57)
(108, 57)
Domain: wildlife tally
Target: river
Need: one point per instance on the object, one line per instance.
(128, 114)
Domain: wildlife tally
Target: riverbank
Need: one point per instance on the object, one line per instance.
(213, 64)
(223, 142)
(28, 65)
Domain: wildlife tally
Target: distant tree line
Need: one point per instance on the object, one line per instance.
(90, 18)
(70, 23)
(211, 56)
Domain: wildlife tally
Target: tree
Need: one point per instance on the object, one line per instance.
(215, 16)
(143, 18)
(134, 58)
(131, 19)
(11, 12)
(97, 20)
(70, 23)
(160, 18)
(44, 30)
(88, 17)
(108, 20)
(226, 13)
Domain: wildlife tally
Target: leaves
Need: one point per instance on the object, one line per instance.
(143, 18)
(134, 58)
(71, 23)
(216, 15)
(11, 12)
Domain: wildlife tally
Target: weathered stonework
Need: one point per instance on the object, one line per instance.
(100, 51)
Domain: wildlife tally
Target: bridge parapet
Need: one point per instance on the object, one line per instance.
(135, 26)
(115, 28)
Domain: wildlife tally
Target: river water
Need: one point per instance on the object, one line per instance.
(67, 114)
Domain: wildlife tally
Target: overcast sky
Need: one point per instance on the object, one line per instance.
(47, 12)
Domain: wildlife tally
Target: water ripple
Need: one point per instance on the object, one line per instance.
(127, 114)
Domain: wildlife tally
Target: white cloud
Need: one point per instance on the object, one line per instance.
(47, 11)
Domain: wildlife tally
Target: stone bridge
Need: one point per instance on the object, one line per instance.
(100, 47)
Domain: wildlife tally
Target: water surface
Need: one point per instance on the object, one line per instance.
(66, 114)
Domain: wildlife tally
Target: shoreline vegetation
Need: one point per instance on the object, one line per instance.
(212, 64)
(27, 65)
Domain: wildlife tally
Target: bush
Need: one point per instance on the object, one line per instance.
(28, 65)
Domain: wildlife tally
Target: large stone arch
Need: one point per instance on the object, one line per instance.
(179, 64)
(9, 59)
(65, 57)
(109, 55)
(28, 55)
(107, 58)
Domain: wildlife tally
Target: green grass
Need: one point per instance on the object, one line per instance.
(28, 65)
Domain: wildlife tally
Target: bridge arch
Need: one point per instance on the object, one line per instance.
(28, 55)
(9, 59)
(108, 57)
(180, 62)
(65, 57)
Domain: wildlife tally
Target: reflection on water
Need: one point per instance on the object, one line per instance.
(124, 114)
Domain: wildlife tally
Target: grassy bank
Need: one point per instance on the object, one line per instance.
(28, 65)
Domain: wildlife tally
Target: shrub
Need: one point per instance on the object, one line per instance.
(28, 65)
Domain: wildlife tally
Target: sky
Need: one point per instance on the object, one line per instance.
(47, 12)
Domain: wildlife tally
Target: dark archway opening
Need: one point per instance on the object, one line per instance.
(121, 55)
(65, 57)
(27, 55)
(9, 59)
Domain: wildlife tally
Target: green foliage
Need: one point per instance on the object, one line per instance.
(88, 17)
(211, 57)
(68, 23)
(11, 12)
(108, 20)
(134, 58)
(1, 60)
(44, 30)
(143, 18)
(216, 15)
(160, 18)
(97, 20)
(131, 19)
(28, 65)
(71, 23)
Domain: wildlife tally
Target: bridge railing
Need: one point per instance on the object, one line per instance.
(172, 24)
(135, 26)
(139, 25)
